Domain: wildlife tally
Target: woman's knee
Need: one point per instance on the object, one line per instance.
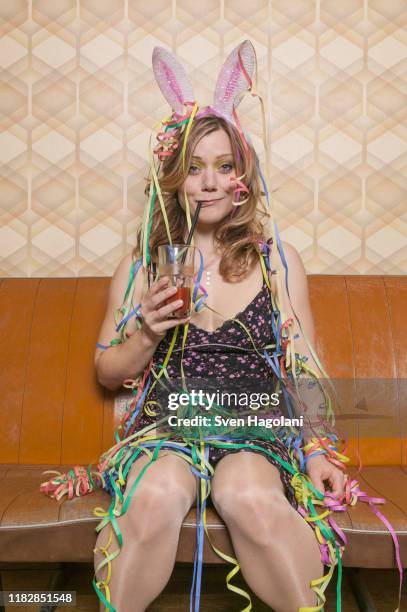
(160, 501)
(250, 500)
(256, 512)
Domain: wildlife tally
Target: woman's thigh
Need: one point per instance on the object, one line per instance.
(160, 499)
(247, 491)
(246, 468)
(168, 475)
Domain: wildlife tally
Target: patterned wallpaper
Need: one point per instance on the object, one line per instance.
(79, 99)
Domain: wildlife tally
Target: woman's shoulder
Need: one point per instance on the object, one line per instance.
(124, 268)
(295, 265)
(292, 255)
(129, 271)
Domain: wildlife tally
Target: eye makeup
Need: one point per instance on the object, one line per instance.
(224, 160)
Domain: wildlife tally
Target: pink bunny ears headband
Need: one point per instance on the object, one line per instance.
(234, 80)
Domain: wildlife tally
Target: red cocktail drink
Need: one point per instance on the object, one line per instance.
(177, 263)
(184, 294)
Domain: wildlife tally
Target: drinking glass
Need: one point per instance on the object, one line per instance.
(177, 261)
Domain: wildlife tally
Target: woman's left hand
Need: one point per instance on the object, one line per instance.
(319, 469)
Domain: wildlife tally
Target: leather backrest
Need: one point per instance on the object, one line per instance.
(362, 341)
(52, 409)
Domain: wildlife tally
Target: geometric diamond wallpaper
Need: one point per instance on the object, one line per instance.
(78, 101)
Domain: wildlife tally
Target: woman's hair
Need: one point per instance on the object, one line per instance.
(238, 234)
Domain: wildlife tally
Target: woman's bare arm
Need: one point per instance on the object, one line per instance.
(311, 394)
(317, 467)
(300, 303)
(129, 359)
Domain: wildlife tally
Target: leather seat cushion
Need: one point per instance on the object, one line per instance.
(34, 527)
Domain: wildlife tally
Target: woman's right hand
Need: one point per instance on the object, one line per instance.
(155, 313)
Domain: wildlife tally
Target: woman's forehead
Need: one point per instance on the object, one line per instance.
(213, 145)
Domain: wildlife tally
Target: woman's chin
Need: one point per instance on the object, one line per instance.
(212, 217)
(206, 222)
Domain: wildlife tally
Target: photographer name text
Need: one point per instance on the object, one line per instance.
(252, 420)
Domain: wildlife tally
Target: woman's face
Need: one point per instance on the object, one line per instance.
(208, 179)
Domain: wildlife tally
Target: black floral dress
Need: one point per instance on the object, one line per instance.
(226, 355)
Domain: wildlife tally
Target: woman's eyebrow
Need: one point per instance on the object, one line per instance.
(217, 157)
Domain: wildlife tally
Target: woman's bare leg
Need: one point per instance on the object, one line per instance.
(150, 529)
(277, 550)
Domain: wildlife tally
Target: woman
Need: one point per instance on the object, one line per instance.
(276, 548)
(252, 326)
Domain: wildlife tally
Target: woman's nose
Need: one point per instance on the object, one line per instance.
(208, 180)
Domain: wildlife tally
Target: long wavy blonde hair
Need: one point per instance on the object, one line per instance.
(237, 236)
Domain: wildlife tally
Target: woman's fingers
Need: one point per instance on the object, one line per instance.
(337, 482)
(318, 483)
(155, 298)
(162, 296)
(157, 320)
(321, 470)
(161, 326)
(166, 310)
(155, 311)
(156, 315)
(172, 323)
(158, 285)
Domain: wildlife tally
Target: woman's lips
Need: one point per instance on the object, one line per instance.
(206, 203)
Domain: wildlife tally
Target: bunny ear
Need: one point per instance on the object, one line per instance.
(234, 78)
(172, 79)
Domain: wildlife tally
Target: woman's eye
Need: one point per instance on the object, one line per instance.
(225, 168)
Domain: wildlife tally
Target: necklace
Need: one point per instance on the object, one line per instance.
(208, 277)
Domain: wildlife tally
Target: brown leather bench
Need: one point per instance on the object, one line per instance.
(54, 414)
